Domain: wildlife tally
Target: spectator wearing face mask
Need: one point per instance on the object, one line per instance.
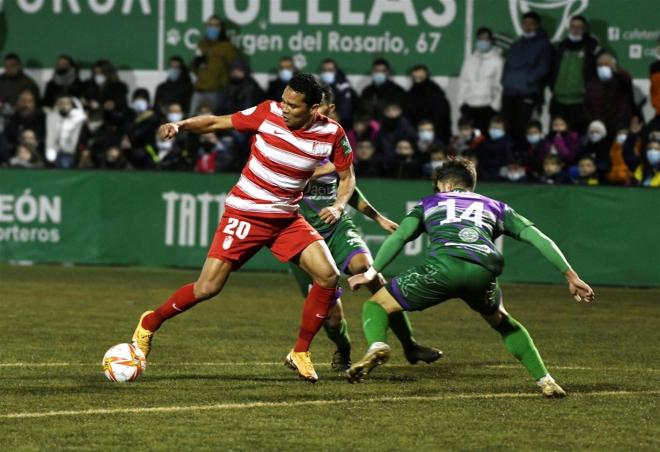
(468, 138)
(561, 142)
(535, 142)
(64, 126)
(381, 92)
(597, 147)
(426, 138)
(212, 66)
(514, 171)
(437, 157)
(65, 81)
(27, 116)
(177, 88)
(104, 85)
(479, 88)
(13, 81)
(138, 142)
(647, 173)
(367, 162)
(171, 155)
(216, 154)
(587, 172)
(242, 92)
(620, 173)
(286, 69)
(525, 75)
(553, 171)
(426, 100)
(609, 96)
(331, 75)
(26, 158)
(573, 67)
(495, 151)
(393, 128)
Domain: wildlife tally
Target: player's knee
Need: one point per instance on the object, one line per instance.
(506, 325)
(205, 289)
(327, 278)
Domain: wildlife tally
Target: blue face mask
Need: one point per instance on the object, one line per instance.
(529, 35)
(653, 156)
(285, 75)
(496, 134)
(328, 77)
(483, 45)
(212, 33)
(173, 73)
(533, 138)
(379, 78)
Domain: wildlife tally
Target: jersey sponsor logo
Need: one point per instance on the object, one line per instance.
(481, 248)
(345, 146)
(469, 235)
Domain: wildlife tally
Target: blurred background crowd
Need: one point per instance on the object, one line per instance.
(596, 133)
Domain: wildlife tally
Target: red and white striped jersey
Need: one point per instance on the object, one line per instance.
(282, 160)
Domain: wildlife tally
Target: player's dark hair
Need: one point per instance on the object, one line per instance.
(460, 171)
(308, 85)
(534, 16)
(327, 96)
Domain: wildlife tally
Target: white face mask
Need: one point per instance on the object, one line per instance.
(165, 145)
(534, 138)
(328, 77)
(140, 105)
(595, 137)
(99, 79)
(530, 34)
(426, 135)
(285, 75)
(621, 138)
(174, 117)
(574, 38)
(604, 73)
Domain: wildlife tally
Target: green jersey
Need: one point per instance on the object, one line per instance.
(318, 194)
(465, 225)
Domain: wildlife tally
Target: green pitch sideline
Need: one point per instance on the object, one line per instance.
(461, 262)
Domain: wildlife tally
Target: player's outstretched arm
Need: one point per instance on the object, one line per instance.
(408, 230)
(360, 203)
(578, 288)
(196, 124)
(344, 192)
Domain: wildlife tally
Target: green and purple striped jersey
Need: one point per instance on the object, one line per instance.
(465, 225)
(318, 194)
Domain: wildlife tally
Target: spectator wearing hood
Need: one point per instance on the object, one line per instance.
(103, 86)
(598, 148)
(64, 126)
(14, 81)
(65, 81)
(394, 128)
(609, 96)
(573, 67)
(426, 100)
(526, 72)
(382, 91)
(480, 88)
(331, 75)
(138, 141)
(212, 66)
(285, 72)
(27, 116)
(368, 163)
(242, 91)
(177, 88)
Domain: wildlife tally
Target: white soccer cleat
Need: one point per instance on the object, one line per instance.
(377, 355)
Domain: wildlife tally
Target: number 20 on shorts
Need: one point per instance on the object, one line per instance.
(237, 228)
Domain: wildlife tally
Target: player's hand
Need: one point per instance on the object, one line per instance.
(169, 130)
(387, 224)
(356, 281)
(578, 288)
(330, 215)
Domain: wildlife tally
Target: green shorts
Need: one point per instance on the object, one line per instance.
(344, 243)
(424, 286)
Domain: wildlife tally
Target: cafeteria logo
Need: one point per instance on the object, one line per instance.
(563, 10)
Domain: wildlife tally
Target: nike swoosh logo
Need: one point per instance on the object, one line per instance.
(175, 308)
(320, 316)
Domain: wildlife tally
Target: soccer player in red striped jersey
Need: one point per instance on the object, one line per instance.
(291, 138)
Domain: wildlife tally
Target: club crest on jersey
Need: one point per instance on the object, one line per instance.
(227, 243)
(469, 235)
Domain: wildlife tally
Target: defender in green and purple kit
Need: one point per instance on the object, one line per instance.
(461, 262)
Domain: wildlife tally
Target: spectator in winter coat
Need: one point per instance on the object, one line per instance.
(381, 92)
(525, 75)
(609, 96)
(561, 142)
(242, 91)
(535, 149)
(364, 128)
(177, 88)
(647, 172)
(553, 171)
(26, 157)
(65, 81)
(104, 86)
(14, 81)
(495, 152)
(331, 75)
(426, 137)
(587, 172)
(285, 72)
(406, 164)
(426, 100)
(480, 89)
(598, 148)
(212, 66)
(654, 76)
(64, 125)
(573, 67)
(28, 116)
(394, 128)
(138, 142)
(468, 138)
(368, 163)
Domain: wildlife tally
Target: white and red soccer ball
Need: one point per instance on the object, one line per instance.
(123, 363)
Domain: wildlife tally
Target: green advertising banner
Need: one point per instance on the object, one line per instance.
(161, 219)
(142, 34)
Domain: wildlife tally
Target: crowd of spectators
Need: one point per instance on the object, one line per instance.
(596, 133)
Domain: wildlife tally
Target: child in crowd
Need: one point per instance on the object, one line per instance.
(553, 171)
(468, 138)
(587, 172)
(494, 152)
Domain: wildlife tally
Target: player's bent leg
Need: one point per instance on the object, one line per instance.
(520, 344)
(212, 278)
(336, 328)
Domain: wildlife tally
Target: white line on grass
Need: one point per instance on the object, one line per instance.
(238, 406)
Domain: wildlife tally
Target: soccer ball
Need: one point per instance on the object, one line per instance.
(123, 362)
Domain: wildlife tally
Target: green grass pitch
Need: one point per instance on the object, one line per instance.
(215, 379)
